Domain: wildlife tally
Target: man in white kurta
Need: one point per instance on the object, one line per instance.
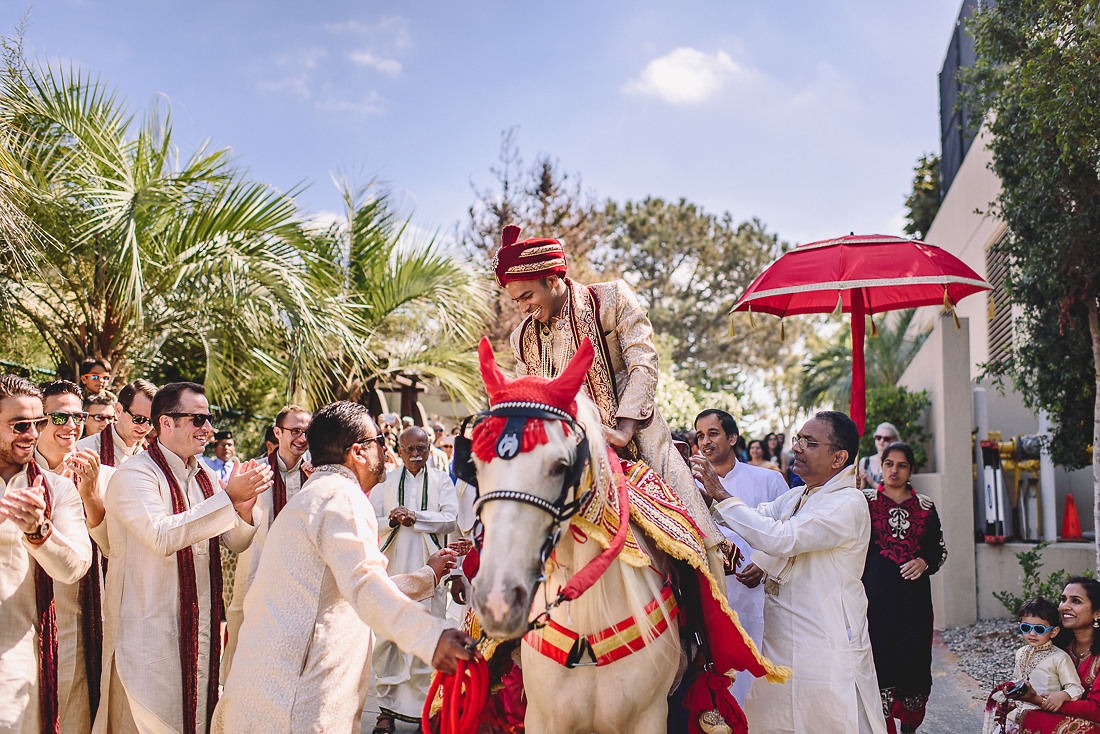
(288, 467)
(61, 547)
(131, 426)
(142, 669)
(753, 485)
(812, 543)
(56, 453)
(303, 660)
(416, 507)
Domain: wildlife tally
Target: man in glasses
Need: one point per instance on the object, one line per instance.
(416, 507)
(289, 471)
(320, 589)
(79, 640)
(118, 442)
(812, 544)
(43, 539)
(95, 375)
(101, 412)
(167, 515)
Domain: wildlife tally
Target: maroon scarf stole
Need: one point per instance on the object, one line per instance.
(47, 627)
(107, 446)
(189, 603)
(278, 489)
(90, 596)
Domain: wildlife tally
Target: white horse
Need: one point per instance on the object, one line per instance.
(627, 695)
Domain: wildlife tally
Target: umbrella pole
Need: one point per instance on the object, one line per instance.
(859, 380)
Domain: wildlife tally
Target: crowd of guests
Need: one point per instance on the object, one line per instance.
(112, 523)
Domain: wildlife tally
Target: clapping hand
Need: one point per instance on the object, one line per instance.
(25, 507)
(251, 479)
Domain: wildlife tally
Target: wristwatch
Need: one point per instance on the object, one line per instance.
(40, 533)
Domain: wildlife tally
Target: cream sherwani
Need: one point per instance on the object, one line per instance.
(122, 451)
(402, 678)
(815, 609)
(754, 485)
(262, 516)
(303, 661)
(141, 657)
(629, 336)
(65, 556)
(74, 704)
(467, 516)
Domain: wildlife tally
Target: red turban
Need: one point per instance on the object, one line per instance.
(527, 260)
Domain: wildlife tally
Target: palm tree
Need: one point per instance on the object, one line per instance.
(827, 373)
(156, 249)
(422, 309)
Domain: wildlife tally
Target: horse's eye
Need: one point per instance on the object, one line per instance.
(559, 469)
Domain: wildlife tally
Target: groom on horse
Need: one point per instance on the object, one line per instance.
(622, 380)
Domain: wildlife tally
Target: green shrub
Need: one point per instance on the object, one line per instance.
(895, 404)
(1032, 581)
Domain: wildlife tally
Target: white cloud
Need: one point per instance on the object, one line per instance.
(391, 32)
(390, 67)
(306, 58)
(296, 86)
(685, 76)
(371, 103)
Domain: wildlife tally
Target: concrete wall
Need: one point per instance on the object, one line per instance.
(999, 570)
(942, 368)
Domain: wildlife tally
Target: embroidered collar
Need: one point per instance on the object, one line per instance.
(338, 469)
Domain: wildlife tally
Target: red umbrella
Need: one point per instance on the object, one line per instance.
(863, 274)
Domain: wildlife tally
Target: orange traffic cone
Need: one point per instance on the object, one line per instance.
(1071, 525)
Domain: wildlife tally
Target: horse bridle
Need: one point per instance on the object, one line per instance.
(508, 447)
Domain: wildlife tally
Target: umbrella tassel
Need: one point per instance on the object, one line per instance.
(782, 334)
(874, 331)
(752, 321)
(949, 306)
(839, 305)
(733, 332)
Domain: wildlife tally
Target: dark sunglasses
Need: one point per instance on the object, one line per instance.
(884, 438)
(138, 420)
(25, 426)
(198, 420)
(102, 418)
(59, 418)
(381, 439)
(1040, 629)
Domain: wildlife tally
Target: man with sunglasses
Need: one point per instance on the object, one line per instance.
(79, 640)
(43, 539)
(320, 589)
(118, 442)
(289, 471)
(416, 507)
(166, 516)
(101, 412)
(812, 544)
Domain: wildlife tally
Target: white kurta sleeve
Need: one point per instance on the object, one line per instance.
(445, 520)
(513, 339)
(1067, 676)
(417, 585)
(67, 554)
(134, 498)
(240, 536)
(359, 569)
(818, 529)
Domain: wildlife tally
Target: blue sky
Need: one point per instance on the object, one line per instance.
(808, 115)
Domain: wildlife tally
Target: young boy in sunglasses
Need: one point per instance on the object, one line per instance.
(1046, 667)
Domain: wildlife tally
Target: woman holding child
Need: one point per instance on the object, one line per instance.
(1059, 708)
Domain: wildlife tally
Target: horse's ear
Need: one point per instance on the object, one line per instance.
(568, 383)
(494, 379)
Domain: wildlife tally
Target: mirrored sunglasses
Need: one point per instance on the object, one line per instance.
(60, 418)
(138, 420)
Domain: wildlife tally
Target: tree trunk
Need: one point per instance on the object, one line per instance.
(1094, 329)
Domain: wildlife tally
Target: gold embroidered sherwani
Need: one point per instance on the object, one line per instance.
(631, 359)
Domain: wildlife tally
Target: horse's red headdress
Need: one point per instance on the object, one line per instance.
(558, 394)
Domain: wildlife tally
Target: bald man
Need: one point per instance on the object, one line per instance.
(417, 506)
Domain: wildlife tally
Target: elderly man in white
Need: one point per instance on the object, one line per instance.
(43, 539)
(166, 512)
(811, 544)
(303, 661)
(416, 507)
